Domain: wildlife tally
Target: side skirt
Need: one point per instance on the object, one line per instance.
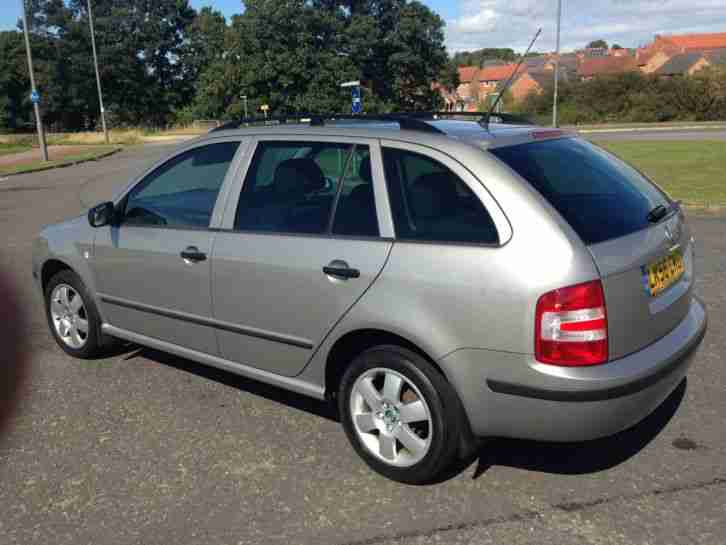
(286, 383)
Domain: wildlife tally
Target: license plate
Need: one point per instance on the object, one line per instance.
(663, 273)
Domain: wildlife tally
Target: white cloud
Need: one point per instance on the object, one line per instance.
(512, 23)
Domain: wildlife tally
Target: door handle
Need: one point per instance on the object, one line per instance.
(192, 253)
(341, 270)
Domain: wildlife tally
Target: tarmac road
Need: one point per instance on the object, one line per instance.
(145, 448)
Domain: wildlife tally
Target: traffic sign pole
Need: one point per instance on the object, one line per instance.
(35, 97)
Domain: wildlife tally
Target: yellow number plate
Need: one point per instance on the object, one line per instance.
(662, 274)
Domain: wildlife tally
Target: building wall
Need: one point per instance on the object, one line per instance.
(655, 62)
(699, 65)
(523, 86)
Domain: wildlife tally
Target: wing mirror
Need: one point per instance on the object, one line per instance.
(101, 214)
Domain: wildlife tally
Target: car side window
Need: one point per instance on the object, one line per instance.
(291, 187)
(183, 191)
(355, 214)
(431, 203)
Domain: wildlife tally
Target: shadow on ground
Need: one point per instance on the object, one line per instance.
(559, 458)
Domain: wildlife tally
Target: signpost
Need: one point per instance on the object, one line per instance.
(34, 97)
(355, 94)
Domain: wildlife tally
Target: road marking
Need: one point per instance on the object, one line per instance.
(3, 179)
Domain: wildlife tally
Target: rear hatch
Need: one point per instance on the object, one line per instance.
(637, 236)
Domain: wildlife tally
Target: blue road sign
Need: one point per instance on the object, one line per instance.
(357, 102)
(34, 97)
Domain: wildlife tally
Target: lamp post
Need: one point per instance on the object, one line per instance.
(557, 64)
(33, 91)
(98, 77)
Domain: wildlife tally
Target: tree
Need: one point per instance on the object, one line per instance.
(14, 81)
(617, 46)
(598, 44)
(481, 56)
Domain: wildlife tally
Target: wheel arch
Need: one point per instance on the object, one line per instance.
(50, 268)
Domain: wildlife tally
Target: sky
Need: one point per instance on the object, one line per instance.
(475, 24)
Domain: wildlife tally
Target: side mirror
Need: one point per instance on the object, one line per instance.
(101, 214)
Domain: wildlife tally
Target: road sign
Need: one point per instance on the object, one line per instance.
(34, 97)
(357, 106)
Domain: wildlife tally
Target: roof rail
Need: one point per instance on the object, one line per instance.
(404, 120)
(412, 121)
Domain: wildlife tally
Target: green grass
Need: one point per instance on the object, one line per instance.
(7, 149)
(97, 152)
(691, 171)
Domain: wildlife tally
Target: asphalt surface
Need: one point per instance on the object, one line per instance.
(145, 448)
(656, 135)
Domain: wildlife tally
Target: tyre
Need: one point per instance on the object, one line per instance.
(400, 414)
(73, 318)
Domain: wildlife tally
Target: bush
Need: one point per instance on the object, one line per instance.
(634, 97)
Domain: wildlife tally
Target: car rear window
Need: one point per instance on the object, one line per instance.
(599, 195)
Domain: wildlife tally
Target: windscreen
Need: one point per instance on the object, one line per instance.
(600, 196)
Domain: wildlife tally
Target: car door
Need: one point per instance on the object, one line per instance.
(152, 266)
(301, 243)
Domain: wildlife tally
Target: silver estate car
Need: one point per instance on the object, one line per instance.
(439, 280)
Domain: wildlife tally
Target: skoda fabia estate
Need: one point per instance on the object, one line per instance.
(440, 280)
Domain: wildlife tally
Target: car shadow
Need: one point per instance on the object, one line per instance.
(273, 393)
(577, 458)
(582, 457)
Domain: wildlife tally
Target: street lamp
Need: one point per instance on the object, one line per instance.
(98, 77)
(557, 64)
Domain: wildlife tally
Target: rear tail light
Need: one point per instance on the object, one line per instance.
(571, 326)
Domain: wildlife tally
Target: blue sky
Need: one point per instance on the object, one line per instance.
(473, 24)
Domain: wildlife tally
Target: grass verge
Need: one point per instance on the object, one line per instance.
(691, 171)
(96, 153)
(8, 149)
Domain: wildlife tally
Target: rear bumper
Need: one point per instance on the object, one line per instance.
(512, 395)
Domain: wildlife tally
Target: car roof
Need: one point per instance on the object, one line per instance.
(445, 133)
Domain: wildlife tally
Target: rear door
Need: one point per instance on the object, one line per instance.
(301, 243)
(637, 236)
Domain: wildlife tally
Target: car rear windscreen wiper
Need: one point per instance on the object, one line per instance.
(658, 213)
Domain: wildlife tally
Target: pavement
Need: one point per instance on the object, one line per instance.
(145, 448)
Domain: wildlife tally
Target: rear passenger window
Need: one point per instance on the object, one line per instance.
(431, 203)
(292, 187)
(355, 214)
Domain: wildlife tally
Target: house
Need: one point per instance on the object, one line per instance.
(475, 84)
(530, 82)
(601, 66)
(683, 64)
(654, 56)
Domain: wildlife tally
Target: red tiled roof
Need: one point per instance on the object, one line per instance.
(606, 65)
(698, 41)
(499, 73)
(466, 73)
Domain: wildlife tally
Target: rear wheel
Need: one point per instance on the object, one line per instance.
(73, 318)
(400, 414)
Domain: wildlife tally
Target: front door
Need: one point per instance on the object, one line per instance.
(303, 248)
(153, 266)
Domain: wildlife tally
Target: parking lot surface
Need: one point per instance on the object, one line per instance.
(146, 448)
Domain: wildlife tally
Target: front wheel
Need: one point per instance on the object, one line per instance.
(73, 318)
(400, 414)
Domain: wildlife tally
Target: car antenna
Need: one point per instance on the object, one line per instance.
(509, 81)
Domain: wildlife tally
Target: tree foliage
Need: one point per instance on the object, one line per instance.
(598, 44)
